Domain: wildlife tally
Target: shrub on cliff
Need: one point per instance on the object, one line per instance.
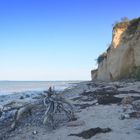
(124, 19)
(121, 24)
(133, 25)
(101, 57)
(137, 73)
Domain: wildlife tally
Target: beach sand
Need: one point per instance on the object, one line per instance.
(89, 114)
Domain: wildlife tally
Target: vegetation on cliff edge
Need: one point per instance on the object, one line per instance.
(131, 25)
(101, 57)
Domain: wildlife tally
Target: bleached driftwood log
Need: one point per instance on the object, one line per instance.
(19, 109)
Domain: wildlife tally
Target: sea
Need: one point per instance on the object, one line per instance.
(10, 87)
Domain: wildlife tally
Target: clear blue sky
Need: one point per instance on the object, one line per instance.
(56, 39)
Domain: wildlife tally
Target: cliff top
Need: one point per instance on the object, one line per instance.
(131, 25)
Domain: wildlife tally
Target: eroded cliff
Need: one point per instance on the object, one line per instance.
(122, 58)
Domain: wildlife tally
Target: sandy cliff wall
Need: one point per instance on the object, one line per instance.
(122, 58)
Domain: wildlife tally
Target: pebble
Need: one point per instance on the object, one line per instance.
(21, 97)
(127, 132)
(137, 126)
(20, 130)
(127, 116)
(124, 116)
(97, 104)
(35, 132)
(27, 96)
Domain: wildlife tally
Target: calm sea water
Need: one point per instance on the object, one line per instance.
(9, 87)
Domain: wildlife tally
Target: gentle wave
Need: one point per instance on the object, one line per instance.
(10, 87)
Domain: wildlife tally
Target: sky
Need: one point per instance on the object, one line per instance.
(57, 39)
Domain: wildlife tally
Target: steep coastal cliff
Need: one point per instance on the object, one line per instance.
(122, 58)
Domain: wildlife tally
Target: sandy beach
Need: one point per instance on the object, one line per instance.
(90, 112)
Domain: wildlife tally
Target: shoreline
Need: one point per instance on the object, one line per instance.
(90, 111)
(29, 95)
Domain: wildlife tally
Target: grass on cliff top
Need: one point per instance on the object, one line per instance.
(131, 25)
(121, 25)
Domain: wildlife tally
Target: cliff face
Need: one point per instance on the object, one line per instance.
(122, 58)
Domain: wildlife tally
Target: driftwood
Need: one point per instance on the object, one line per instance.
(52, 102)
(20, 112)
(19, 109)
(55, 104)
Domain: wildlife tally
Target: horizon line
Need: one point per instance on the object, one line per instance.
(39, 80)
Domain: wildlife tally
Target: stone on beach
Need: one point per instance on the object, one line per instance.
(127, 100)
(91, 132)
(136, 105)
